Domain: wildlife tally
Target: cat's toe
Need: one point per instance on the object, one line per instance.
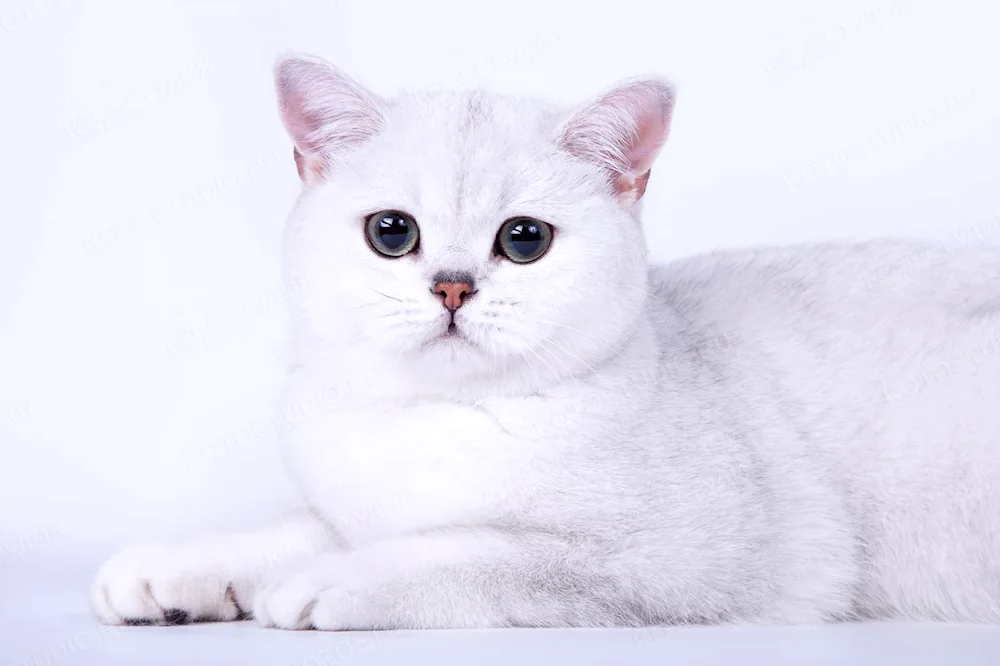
(152, 585)
(121, 594)
(344, 610)
(125, 601)
(290, 598)
(301, 603)
(287, 604)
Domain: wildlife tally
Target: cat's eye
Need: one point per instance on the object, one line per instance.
(522, 239)
(392, 233)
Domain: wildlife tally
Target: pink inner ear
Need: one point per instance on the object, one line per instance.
(623, 131)
(651, 133)
(323, 110)
(301, 126)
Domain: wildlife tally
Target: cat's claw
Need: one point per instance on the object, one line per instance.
(157, 585)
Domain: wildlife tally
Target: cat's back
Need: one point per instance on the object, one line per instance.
(840, 339)
(812, 285)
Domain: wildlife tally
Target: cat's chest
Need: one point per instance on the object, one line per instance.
(375, 472)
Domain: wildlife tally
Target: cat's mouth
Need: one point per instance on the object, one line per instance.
(452, 335)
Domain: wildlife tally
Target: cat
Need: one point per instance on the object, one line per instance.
(525, 424)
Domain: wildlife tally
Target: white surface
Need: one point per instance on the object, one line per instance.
(147, 177)
(55, 627)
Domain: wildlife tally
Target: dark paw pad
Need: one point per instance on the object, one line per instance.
(173, 616)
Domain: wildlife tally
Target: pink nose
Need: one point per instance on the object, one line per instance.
(454, 293)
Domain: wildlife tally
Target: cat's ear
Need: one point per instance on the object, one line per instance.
(324, 111)
(622, 131)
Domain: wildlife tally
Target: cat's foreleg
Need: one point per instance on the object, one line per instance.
(461, 578)
(209, 579)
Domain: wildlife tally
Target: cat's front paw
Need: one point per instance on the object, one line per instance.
(160, 585)
(322, 594)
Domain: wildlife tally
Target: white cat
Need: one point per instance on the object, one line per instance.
(526, 425)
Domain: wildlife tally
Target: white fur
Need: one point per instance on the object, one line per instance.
(795, 435)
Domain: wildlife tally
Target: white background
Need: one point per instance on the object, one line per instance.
(145, 178)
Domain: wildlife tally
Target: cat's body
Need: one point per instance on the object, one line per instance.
(795, 435)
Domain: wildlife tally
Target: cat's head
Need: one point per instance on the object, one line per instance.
(471, 233)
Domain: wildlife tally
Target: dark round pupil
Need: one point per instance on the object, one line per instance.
(393, 231)
(525, 238)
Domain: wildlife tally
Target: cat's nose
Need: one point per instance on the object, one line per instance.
(454, 293)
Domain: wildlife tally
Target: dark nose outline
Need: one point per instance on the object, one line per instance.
(455, 289)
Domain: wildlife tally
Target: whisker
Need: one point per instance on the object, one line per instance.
(387, 295)
(575, 330)
(556, 358)
(527, 362)
(552, 323)
(544, 362)
(499, 330)
(563, 349)
(494, 358)
(571, 329)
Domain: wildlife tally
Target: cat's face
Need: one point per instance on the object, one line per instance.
(470, 233)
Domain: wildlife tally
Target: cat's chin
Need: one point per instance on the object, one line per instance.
(451, 341)
(455, 348)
